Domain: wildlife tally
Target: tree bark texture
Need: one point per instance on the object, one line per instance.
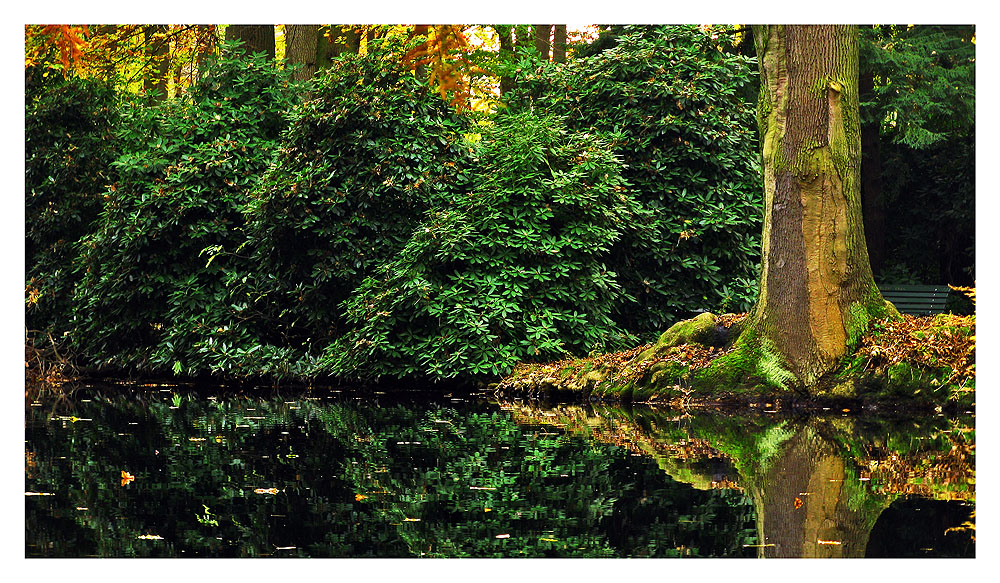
(257, 38)
(300, 49)
(559, 43)
(543, 39)
(816, 286)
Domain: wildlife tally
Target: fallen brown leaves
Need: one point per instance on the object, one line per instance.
(930, 342)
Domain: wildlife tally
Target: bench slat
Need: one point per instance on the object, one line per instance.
(917, 299)
(920, 288)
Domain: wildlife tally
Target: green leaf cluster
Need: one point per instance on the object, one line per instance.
(924, 81)
(149, 298)
(674, 100)
(357, 169)
(514, 271)
(69, 147)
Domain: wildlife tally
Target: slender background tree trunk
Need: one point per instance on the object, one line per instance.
(559, 43)
(157, 48)
(506, 34)
(300, 49)
(543, 40)
(257, 38)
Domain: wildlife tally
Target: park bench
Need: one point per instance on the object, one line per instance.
(918, 300)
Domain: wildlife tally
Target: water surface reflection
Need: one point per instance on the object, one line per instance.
(168, 472)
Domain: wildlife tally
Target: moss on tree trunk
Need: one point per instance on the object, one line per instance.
(817, 295)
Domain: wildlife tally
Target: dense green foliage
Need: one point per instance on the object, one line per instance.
(359, 165)
(923, 102)
(514, 270)
(149, 299)
(69, 147)
(924, 90)
(931, 194)
(687, 138)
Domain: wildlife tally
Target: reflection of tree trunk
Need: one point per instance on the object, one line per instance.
(872, 205)
(802, 503)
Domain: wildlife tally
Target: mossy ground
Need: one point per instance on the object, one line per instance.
(907, 360)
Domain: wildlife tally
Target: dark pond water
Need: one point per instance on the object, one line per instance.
(165, 471)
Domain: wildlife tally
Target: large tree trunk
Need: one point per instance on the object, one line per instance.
(300, 49)
(816, 289)
(257, 38)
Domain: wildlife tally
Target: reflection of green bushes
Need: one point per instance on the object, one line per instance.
(347, 479)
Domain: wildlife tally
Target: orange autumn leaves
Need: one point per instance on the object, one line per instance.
(68, 39)
(443, 53)
(930, 342)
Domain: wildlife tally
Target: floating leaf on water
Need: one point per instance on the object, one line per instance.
(284, 548)
(798, 502)
(271, 491)
(411, 520)
(39, 494)
(481, 488)
(150, 537)
(196, 439)
(828, 542)
(502, 536)
(127, 477)
(487, 510)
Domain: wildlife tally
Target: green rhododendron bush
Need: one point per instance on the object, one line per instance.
(513, 270)
(69, 147)
(360, 164)
(149, 299)
(359, 227)
(685, 131)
